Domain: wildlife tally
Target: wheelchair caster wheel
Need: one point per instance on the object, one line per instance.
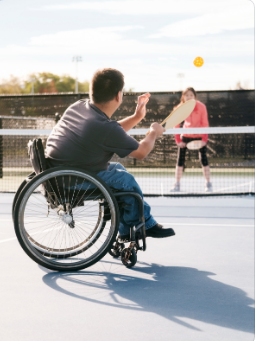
(129, 257)
(116, 249)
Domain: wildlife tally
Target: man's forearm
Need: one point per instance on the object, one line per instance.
(148, 143)
(129, 122)
(145, 146)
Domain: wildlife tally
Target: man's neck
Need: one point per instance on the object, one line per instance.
(107, 109)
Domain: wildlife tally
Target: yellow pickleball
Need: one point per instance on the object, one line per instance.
(198, 62)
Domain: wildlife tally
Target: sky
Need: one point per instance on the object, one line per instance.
(152, 42)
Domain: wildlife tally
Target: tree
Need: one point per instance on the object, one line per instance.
(44, 82)
(11, 86)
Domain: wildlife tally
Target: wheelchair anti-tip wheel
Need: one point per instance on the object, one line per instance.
(129, 257)
(59, 219)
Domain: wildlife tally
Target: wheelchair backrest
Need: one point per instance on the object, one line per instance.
(36, 155)
(60, 189)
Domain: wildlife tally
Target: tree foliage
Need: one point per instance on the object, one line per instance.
(44, 82)
(11, 86)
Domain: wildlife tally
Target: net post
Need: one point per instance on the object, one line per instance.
(1, 150)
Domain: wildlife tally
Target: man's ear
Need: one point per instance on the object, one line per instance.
(90, 91)
(119, 97)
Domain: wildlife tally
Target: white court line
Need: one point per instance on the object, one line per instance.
(223, 189)
(7, 240)
(180, 224)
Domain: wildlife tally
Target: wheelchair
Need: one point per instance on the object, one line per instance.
(67, 219)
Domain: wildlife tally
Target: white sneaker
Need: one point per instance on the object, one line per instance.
(176, 187)
(208, 187)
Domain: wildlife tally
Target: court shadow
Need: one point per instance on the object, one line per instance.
(172, 292)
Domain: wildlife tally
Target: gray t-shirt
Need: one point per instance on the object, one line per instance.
(87, 138)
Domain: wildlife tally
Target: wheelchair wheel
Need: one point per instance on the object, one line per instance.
(19, 190)
(129, 257)
(59, 219)
(116, 249)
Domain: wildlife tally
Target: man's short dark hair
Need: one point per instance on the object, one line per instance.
(105, 85)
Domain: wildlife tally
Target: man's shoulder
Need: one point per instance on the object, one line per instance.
(83, 110)
(83, 103)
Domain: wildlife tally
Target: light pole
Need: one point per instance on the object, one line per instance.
(32, 85)
(76, 59)
(181, 75)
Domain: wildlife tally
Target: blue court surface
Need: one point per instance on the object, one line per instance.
(197, 285)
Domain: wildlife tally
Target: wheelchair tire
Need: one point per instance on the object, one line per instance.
(59, 215)
(17, 194)
(129, 261)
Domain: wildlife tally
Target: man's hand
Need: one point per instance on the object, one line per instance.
(181, 144)
(157, 128)
(140, 111)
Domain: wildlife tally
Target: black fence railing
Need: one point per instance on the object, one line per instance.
(225, 108)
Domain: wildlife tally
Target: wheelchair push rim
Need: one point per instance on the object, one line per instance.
(59, 219)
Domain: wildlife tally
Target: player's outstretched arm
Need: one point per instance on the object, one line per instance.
(147, 144)
(140, 112)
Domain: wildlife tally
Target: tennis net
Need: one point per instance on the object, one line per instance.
(230, 153)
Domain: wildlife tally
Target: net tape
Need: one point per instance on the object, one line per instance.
(139, 132)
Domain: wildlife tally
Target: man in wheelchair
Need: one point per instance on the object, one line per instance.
(87, 138)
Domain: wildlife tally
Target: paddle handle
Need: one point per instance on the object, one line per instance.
(167, 118)
(162, 122)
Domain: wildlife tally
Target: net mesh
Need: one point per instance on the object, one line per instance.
(230, 152)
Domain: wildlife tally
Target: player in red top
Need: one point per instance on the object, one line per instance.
(197, 119)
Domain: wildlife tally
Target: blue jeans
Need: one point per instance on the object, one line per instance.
(117, 177)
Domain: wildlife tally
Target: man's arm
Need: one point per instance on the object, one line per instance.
(140, 112)
(147, 144)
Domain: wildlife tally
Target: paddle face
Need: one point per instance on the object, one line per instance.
(180, 114)
(194, 145)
